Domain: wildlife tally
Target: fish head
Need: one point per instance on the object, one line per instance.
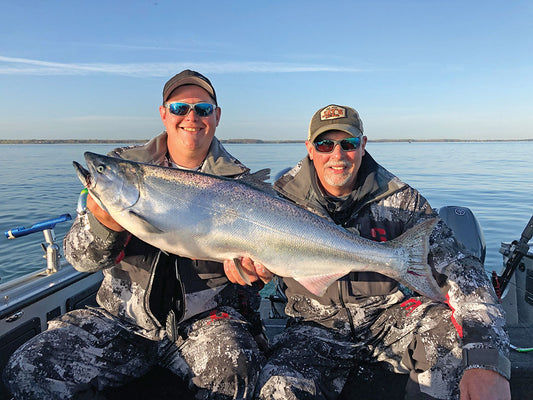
(113, 183)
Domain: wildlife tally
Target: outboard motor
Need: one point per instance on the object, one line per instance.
(466, 229)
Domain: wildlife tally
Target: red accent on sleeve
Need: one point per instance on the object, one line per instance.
(458, 327)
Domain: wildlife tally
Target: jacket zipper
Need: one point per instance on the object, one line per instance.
(343, 305)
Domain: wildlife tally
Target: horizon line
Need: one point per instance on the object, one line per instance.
(239, 141)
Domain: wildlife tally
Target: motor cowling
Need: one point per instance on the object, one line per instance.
(466, 229)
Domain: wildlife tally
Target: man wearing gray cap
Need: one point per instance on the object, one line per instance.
(452, 349)
(156, 309)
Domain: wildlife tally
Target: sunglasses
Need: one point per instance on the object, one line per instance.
(327, 145)
(182, 109)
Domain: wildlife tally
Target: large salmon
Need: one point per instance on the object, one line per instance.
(207, 217)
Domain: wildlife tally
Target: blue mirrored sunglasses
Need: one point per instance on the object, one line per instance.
(182, 109)
(327, 145)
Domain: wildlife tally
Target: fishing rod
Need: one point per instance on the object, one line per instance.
(519, 248)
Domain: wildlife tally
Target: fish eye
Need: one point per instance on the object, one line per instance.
(100, 169)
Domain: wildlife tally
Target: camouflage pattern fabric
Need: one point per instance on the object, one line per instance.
(416, 337)
(86, 351)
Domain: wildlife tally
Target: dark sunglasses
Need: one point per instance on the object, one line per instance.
(327, 145)
(182, 109)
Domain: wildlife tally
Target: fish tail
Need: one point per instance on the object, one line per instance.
(418, 274)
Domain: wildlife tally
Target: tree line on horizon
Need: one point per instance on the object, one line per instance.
(234, 141)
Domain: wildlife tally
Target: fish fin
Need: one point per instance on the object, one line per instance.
(145, 223)
(238, 267)
(418, 273)
(319, 284)
(258, 180)
(261, 175)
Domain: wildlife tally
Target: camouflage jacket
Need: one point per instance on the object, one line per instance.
(149, 290)
(381, 208)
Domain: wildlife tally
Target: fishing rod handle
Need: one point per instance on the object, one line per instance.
(528, 231)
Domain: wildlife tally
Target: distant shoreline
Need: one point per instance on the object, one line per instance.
(239, 141)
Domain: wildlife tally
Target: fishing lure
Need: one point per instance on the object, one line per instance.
(82, 202)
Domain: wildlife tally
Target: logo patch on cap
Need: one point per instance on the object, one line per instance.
(332, 112)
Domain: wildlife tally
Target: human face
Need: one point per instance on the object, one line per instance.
(337, 171)
(189, 136)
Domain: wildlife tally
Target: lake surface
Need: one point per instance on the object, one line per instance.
(493, 179)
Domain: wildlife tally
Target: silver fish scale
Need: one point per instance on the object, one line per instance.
(206, 217)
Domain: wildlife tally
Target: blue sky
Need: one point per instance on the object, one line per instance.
(413, 69)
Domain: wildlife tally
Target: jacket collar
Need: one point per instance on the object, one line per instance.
(373, 183)
(217, 162)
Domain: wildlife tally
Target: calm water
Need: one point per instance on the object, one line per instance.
(494, 180)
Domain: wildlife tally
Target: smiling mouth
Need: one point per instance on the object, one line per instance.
(337, 168)
(191, 130)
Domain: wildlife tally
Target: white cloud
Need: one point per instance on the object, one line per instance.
(24, 66)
